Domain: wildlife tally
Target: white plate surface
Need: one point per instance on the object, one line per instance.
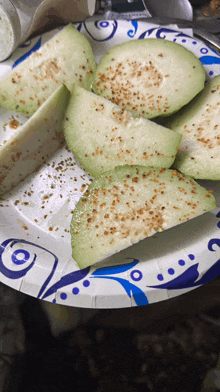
(35, 250)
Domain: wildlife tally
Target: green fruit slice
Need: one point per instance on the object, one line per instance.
(34, 142)
(199, 124)
(128, 204)
(103, 136)
(149, 77)
(67, 58)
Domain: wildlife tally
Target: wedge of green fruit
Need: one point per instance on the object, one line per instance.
(149, 77)
(128, 204)
(34, 142)
(199, 124)
(103, 136)
(67, 58)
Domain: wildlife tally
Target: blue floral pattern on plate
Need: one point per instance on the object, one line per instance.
(44, 267)
(190, 278)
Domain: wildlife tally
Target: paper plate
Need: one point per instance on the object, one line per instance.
(35, 250)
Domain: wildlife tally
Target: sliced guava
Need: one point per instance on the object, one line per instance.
(149, 77)
(34, 142)
(130, 203)
(67, 58)
(103, 136)
(199, 124)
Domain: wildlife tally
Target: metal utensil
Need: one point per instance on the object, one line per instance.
(181, 9)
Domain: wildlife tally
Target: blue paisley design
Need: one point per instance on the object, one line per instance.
(27, 54)
(8, 272)
(147, 33)
(185, 280)
(101, 25)
(131, 33)
(101, 273)
(209, 60)
(7, 246)
(212, 242)
(116, 269)
(131, 290)
(189, 278)
(161, 33)
(210, 274)
(66, 280)
(138, 295)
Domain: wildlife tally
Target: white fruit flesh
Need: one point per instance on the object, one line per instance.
(149, 77)
(126, 205)
(67, 58)
(199, 124)
(34, 142)
(102, 136)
